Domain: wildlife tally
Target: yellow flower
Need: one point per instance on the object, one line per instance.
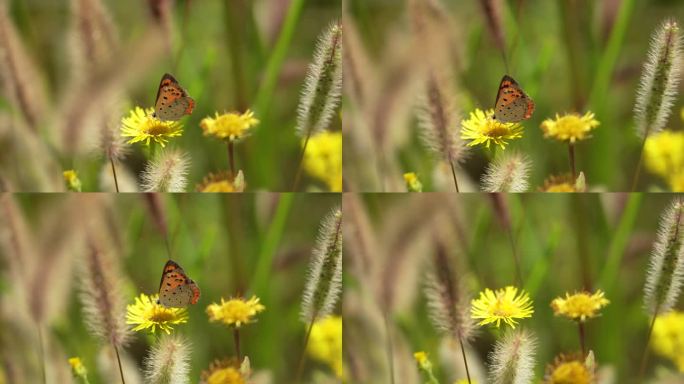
(226, 371)
(235, 312)
(668, 337)
(571, 127)
(465, 381)
(146, 313)
(222, 182)
(73, 183)
(231, 126)
(142, 126)
(323, 159)
(325, 343)
(421, 358)
(568, 370)
(664, 156)
(412, 182)
(562, 183)
(502, 305)
(482, 128)
(77, 367)
(579, 306)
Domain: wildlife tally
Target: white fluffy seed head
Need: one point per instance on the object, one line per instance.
(666, 266)
(438, 121)
(167, 172)
(659, 80)
(513, 358)
(169, 361)
(323, 86)
(448, 313)
(324, 279)
(507, 173)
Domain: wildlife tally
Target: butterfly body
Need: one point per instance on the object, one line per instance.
(173, 102)
(176, 289)
(512, 104)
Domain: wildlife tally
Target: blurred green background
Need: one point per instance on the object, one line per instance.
(229, 55)
(232, 244)
(566, 243)
(568, 56)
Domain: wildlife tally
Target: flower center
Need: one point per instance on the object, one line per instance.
(160, 315)
(155, 128)
(495, 129)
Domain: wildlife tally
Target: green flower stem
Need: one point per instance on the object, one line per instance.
(116, 181)
(236, 339)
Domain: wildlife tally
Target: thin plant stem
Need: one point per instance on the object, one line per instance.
(388, 345)
(116, 181)
(236, 339)
(118, 359)
(300, 163)
(635, 179)
(644, 356)
(465, 361)
(582, 337)
(231, 158)
(453, 173)
(168, 246)
(571, 153)
(518, 271)
(41, 349)
(300, 365)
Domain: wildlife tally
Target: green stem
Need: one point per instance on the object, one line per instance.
(236, 339)
(275, 62)
(465, 362)
(300, 163)
(571, 153)
(300, 365)
(453, 173)
(635, 179)
(116, 181)
(231, 158)
(582, 339)
(118, 359)
(644, 356)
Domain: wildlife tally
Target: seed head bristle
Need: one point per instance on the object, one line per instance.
(324, 279)
(513, 358)
(507, 173)
(169, 361)
(659, 80)
(323, 86)
(666, 266)
(166, 172)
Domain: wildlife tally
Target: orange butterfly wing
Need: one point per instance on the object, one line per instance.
(172, 101)
(176, 290)
(512, 104)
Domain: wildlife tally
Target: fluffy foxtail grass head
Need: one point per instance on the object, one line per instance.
(666, 266)
(321, 94)
(512, 361)
(104, 309)
(325, 270)
(438, 120)
(166, 172)
(446, 299)
(169, 361)
(659, 80)
(507, 173)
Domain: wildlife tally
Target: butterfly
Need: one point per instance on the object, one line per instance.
(176, 289)
(512, 104)
(172, 101)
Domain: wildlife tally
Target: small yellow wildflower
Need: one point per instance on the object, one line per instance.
(222, 182)
(668, 337)
(226, 371)
(325, 343)
(73, 183)
(425, 366)
(562, 183)
(413, 184)
(142, 126)
(568, 370)
(482, 128)
(421, 358)
(501, 305)
(579, 306)
(323, 159)
(664, 156)
(77, 368)
(235, 312)
(465, 381)
(146, 313)
(231, 126)
(570, 127)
